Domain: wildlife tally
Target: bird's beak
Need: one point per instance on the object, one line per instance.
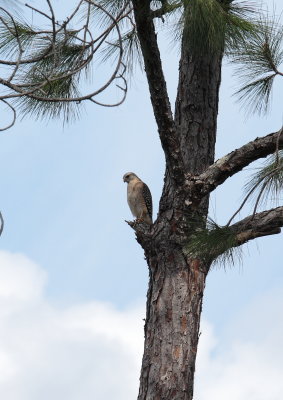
(124, 179)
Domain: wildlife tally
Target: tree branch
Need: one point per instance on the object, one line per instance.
(165, 9)
(229, 165)
(261, 224)
(157, 87)
(55, 58)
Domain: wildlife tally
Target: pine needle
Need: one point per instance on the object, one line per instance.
(267, 182)
(132, 54)
(214, 243)
(213, 26)
(258, 62)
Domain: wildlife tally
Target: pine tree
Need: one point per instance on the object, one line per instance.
(44, 70)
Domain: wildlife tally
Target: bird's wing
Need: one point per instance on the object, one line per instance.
(147, 198)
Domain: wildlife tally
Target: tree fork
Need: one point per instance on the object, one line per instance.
(177, 281)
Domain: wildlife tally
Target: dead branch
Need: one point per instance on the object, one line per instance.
(261, 224)
(227, 166)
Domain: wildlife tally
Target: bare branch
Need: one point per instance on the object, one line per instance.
(157, 87)
(165, 9)
(14, 118)
(261, 224)
(2, 223)
(18, 42)
(199, 186)
(38, 11)
(53, 27)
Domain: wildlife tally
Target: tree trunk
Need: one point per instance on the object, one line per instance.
(174, 304)
(196, 108)
(177, 280)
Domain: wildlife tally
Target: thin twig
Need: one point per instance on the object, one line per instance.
(16, 35)
(90, 46)
(2, 223)
(53, 32)
(38, 11)
(249, 194)
(14, 117)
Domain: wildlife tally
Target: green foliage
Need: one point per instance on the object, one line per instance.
(53, 69)
(168, 8)
(214, 243)
(64, 56)
(51, 74)
(206, 26)
(113, 9)
(63, 88)
(214, 25)
(132, 54)
(258, 62)
(267, 182)
(11, 32)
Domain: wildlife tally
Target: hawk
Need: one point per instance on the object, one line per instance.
(139, 198)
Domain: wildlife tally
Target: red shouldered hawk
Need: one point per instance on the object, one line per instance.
(139, 198)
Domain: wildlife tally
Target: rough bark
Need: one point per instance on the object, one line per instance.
(177, 280)
(172, 328)
(174, 304)
(230, 164)
(157, 88)
(196, 108)
(261, 224)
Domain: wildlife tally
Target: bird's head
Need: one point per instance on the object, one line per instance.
(129, 176)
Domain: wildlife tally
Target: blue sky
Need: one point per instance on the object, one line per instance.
(74, 279)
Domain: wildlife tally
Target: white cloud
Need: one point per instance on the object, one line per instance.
(85, 351)
(22, 282)
(91, 350)
(247, 366)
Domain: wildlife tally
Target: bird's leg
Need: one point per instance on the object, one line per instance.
(140, 219)
(137, 221)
